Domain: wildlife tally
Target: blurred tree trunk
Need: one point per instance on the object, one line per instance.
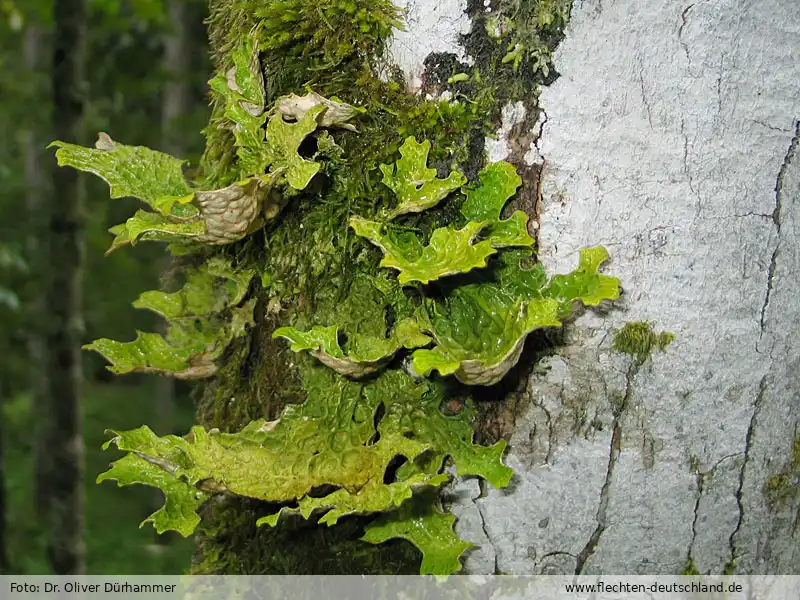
(65, 444)
(4, 566)
(175, 100)
(174, 106)
(35, 249)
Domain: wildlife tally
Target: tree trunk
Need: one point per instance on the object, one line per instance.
(174, 105)
(175, 99)
(36, 250)
(4, 564)
(66, 545)
(670, 138)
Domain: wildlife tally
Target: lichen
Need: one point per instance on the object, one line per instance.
(303, 149)
(638, 340)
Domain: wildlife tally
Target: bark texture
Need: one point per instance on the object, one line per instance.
(670, 138)
(65, 444)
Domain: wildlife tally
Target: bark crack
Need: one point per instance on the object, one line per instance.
(483, 492)
(776, 218)
(605, 491)
(537, 200)
(550, 435)
(701, 479)
(762, 388)
(684, 45)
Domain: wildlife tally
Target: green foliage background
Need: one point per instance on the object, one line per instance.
(124, 84)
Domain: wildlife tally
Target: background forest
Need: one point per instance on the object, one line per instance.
(141, 77)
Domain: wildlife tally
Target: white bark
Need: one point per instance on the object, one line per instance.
(671, 138)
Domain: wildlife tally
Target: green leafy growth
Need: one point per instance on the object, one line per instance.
(129, 170)
(480, 333)
(150, 226)
(369, 353)
(585, 283)
(425, 526)
(498, 184)
(216, 216)
(329, 442)
(480, 328)
(181, 500)
(242, 91)
(416, 186)
(284, 142)
(638, 340)
(449, 252)
(337, 114)
(210, 216)
(198, 332)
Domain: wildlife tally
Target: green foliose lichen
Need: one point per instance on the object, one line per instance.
(324, 411)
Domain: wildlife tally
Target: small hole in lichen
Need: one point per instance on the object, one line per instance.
(308, 147)
(341, 337)
(379, 412)
(424, 461)
(390, 475)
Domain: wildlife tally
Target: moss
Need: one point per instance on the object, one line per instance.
(311, 266)
(785, 485)
(730, 567)
(529, 32)
(638, 340)
(231, 544)
(691, 568)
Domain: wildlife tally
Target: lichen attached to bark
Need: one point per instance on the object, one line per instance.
(312, 159)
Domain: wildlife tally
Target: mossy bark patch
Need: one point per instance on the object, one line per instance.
(638, 340)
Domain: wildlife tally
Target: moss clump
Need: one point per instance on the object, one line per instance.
(513, 47)
(785, 484)
(230, 544)
(638, 340)
(691, 569)
(730, 568)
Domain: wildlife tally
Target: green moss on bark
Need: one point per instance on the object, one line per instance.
(229, 543)
(638, 340)
(784, 485)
